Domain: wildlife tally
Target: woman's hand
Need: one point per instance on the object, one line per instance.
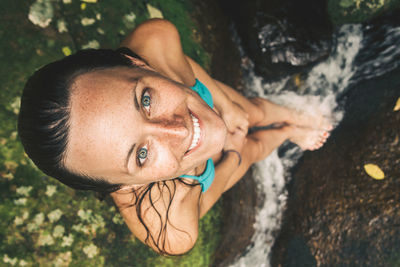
(235, 140)
(235, 117)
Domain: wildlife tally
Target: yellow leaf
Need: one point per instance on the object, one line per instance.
(397, 106)
(66, 50)
(83, 6)
(374, 171)
(154, 12)
(297, 80)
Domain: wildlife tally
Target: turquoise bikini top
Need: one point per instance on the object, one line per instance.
(207, 177)
(203, 92)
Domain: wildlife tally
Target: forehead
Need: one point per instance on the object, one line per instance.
(99, 111)
(103, 79)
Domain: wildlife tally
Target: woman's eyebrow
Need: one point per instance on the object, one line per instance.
(135, 81)
(129, 156)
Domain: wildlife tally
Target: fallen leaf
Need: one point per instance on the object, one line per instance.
(89, 1)
(154, 12)
(91, 44)
(100, 31)
(397, 106)
(83, 6)
(346, 3)
(41, 13)
(297, 80)
(66, 51)
(374, 171)
(62, 26)
(87, 21)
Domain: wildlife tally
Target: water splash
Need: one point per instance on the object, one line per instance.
(382, 53)
(316, 94)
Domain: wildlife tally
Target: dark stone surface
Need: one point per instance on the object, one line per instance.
(239, 205)
(282, 36)
(239, 202)
(341, 215)
(216, 38)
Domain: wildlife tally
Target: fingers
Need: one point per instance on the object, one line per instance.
(242, 125)
(244, 129)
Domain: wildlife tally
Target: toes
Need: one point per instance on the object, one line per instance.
(317, 145)
(328, 127)
(320, 145)
(309, 139)
(323, 136)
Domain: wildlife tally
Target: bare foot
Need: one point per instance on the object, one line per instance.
(273, 113)
(307, 138)
(305, 120)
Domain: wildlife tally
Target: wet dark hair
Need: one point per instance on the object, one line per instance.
(43, 127)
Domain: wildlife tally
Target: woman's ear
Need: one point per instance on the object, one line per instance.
(127, 188)
(123, 196)
(139, 62)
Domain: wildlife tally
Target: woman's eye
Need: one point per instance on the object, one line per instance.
(146, 101)
(142, 155)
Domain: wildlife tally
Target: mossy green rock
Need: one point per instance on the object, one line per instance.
(357, 11)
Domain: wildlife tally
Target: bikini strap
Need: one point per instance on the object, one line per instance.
(206, 178)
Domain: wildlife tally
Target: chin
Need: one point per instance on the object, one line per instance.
(221, 135)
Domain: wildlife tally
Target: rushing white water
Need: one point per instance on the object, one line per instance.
(315, 94)
(382, 54)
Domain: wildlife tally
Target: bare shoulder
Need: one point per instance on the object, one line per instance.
(158, 42)
(169, 211)
(151, 32)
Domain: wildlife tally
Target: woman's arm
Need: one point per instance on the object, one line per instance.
(158, 42)
(230, 166)
(257, 146)
(232, 112)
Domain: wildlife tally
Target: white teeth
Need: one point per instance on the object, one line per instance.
(197, 131)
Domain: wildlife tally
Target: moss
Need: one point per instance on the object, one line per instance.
(357, 11)
(25, 48)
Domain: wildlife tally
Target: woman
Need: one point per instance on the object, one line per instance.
(137, 123)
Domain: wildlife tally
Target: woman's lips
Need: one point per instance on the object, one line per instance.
(197, 134)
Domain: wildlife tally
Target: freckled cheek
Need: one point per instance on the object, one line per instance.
(166, 165)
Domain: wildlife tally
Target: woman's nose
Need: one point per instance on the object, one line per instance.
(174, 128)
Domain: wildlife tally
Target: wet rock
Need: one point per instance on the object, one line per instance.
(215, 37)
(343, 216)
(356, 11)
(239, 206)
(282, 36)
(379, 38)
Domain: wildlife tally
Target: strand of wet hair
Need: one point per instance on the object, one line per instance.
(139, 198)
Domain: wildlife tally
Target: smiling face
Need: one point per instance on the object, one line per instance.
(133, 126)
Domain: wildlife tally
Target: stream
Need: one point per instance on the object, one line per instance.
(359, 52)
